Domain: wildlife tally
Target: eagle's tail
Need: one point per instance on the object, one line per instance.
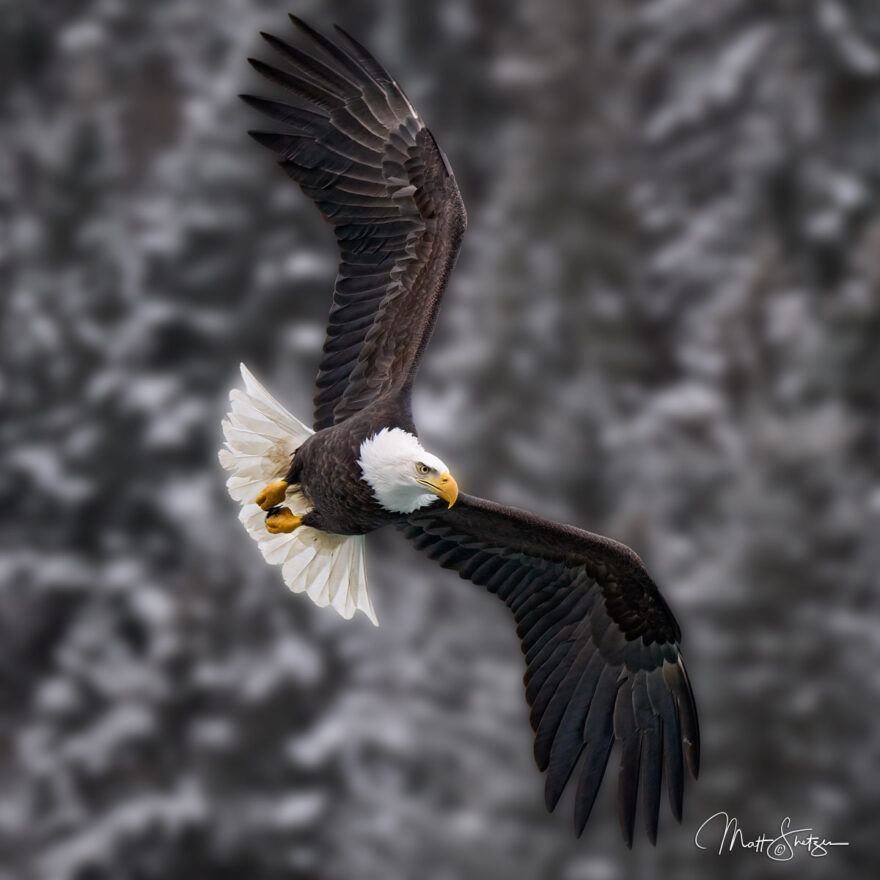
(261, 438)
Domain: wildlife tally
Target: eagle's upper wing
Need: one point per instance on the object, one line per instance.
(601, 647)
(357, 147)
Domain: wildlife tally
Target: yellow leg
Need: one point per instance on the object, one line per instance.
(282, 521)
(272, 495)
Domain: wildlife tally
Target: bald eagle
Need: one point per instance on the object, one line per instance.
(603, 662)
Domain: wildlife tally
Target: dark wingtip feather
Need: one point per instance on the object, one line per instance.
(591, 778)
(652, 769)
(261, 67)
(265, 70)
(340, 29)
(676, 678)
(627, 733)
(315, 36)
(301, 25)
(280, 46)
(274, 43)
(331, 49)
(693, 759)
(564, 756)
(365, 57)
(551, 798)
(252, 100)
(268, 139)
(650, 733)
(355, 43)
(628, 788)
(690, 722)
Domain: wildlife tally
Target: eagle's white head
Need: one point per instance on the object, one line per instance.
(403, 475)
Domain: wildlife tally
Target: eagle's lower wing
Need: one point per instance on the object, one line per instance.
(359, 150)
(601, 647)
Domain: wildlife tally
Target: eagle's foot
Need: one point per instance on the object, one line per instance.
(272, 495)
(282, 520)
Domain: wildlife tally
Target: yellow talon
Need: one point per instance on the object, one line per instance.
(272, 495)
(282, 521)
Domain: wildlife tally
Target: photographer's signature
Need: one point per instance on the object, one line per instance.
(779, 848)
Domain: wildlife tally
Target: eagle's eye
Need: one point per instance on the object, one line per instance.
(423, 468)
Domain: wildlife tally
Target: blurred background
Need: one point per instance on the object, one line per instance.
(664, 326)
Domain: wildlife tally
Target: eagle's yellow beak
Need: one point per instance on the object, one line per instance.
(444, 486)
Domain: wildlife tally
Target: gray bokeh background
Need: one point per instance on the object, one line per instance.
(664, 326)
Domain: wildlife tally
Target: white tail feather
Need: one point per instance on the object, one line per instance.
(261, 438)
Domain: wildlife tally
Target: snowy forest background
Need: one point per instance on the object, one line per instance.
(664, 326)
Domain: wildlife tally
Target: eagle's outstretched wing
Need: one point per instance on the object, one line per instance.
(601, 648)
(357, 148)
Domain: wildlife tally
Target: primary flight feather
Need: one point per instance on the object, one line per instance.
(603, 663)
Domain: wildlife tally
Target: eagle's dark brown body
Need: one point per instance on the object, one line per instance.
(326, 466)
(601, 646)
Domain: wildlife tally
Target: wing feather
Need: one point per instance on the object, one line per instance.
(603, 663)
(626, 731)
